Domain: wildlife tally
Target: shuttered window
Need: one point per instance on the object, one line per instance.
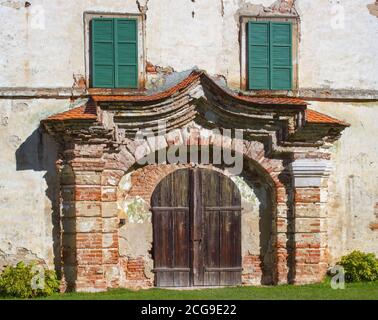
(269, 55)
(114, 53)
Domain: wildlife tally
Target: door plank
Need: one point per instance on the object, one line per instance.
(170, 207)
(210, 195)
(196, 227)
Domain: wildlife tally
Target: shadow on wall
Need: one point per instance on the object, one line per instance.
(266, 232)
(266, 195)
(39, 152)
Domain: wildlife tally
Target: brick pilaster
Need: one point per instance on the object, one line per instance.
(82, 221)
(111, 264)
(310, 177)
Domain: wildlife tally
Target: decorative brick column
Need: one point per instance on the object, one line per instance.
(89, 239)
(310, 181)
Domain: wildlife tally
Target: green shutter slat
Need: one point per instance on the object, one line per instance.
(126, 53)
(103, 53)
(281, 55)
(258, 55)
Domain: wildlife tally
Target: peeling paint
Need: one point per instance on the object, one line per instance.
(13, 4)
(19, 106)
(19, 254)
(14, 141)
(4, 120)
(246, 191)
(137, 210)
(279, 7)
(373, 9)
(125, 183)
(79, 81)
(284, 6)
(142, 8)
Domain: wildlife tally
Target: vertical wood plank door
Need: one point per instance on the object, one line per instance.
(197, 230)
(170, 218)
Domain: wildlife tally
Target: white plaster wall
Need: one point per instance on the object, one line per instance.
(353, 185)
(338, 41)
(25, 210)
(43, 45)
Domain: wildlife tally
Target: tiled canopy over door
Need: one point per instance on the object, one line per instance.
(294, 166)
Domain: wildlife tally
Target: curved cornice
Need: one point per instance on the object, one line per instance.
(201, 99)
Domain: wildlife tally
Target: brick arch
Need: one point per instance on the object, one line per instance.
(91, 209)
(253, 151)
(270, 171)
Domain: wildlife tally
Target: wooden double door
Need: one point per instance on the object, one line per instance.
(196, 230)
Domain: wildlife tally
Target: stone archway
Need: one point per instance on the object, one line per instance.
(288, 144)
(258, 222)
(297, 252)
(259, 263)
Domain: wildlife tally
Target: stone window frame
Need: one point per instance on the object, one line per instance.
(88, 16)
(244, 52)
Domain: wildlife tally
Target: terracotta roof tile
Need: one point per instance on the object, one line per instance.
(88, 111)
(187, 82)
(317, 117)
(273, 100)
(84, 112)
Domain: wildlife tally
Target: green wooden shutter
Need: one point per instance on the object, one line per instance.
(114, 53)
(126, 53)
(269, 55)
(281, 55)
(103, 53)
(258, 55)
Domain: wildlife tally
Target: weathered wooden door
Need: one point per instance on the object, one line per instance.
(171, 230)
(197, 230)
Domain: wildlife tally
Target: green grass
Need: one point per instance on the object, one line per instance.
(322, 291)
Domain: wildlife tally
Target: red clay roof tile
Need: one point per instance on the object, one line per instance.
(188, 81)
(84, 112)
(273, 100)
(317, 117)
(158, 96)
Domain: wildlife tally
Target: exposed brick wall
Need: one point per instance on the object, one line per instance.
(252, 270)
(144, 180)
(310, 236)
(90, 219)
(134, 270)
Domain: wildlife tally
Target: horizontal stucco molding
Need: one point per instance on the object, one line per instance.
(304, 93)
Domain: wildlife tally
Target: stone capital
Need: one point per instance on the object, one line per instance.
(310, 172)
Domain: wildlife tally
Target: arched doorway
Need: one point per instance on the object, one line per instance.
(196, 229)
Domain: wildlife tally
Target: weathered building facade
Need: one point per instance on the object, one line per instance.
(117, 168)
